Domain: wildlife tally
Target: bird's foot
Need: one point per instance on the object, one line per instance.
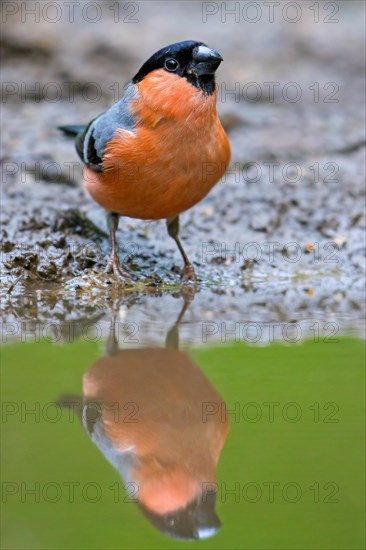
(188, 293)
(123, 276)
(188, 274)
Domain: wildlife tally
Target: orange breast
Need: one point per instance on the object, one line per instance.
(176, 154)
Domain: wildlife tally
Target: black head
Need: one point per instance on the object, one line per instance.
(189, 59)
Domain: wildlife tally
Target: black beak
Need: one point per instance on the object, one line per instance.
(205, 61)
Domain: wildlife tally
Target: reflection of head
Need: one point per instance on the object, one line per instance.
(195, 521)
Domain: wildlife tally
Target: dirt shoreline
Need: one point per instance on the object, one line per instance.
(297, 174)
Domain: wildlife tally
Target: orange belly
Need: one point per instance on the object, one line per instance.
(169, 163)
(161, 182)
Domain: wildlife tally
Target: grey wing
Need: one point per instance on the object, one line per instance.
(93, 423)
(92, 142)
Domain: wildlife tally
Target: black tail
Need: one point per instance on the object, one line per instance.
(72, 129)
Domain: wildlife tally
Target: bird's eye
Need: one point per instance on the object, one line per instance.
(171, 64)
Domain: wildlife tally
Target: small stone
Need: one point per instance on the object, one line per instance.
(261, 221)
(340, 240)
(206, 212)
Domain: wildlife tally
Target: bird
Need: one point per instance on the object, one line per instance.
(160, 149)
(162, 425)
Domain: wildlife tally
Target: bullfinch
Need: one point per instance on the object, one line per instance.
(162, 425)
(160, 149)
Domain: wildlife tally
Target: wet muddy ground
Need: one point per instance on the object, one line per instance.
(281, 237)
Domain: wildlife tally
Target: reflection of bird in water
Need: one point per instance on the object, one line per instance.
(154, 430)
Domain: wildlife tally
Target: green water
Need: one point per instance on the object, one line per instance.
(308, 448)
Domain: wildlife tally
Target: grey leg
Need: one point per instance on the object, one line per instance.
(114, 263)
(172, 338)
(112, 341)
(173, 231)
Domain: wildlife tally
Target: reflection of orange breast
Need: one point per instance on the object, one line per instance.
(161, 398)
(171, 160)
